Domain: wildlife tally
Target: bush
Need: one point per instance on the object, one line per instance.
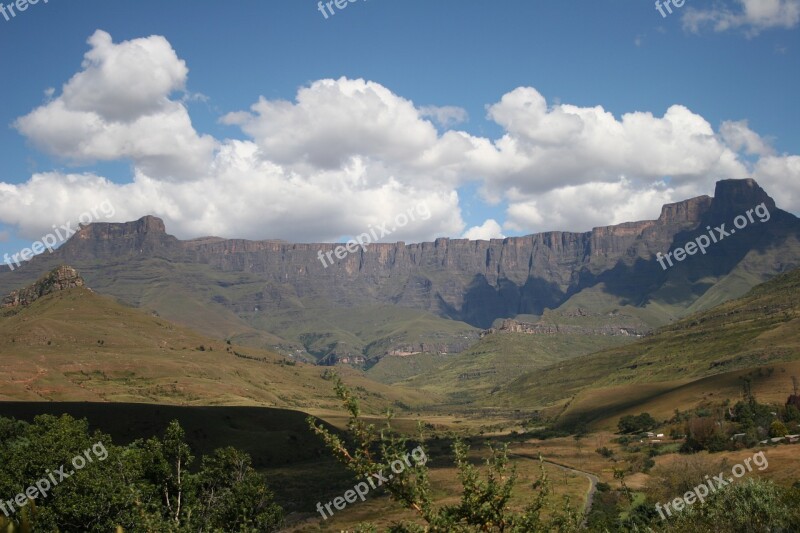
(754, 505)
(605, 452)
(777, 429)
(637, 424)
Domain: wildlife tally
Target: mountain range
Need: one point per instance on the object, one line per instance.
(398, 299)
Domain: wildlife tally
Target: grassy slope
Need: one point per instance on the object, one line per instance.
(393, 369)
(499, 358)
(761, 329)
(371, 330)
(78, 346)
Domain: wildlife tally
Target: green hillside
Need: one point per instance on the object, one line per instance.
(499, 358)
(759, 330)
(75, 345)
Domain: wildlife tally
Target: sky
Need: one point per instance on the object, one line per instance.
(293, 120)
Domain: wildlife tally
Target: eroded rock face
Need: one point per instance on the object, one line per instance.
(527, 328)
(62, 278)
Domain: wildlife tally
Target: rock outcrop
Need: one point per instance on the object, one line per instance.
(543, 328)
(62, 278)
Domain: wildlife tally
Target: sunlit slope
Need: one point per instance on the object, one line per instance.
(75, 345)
(760, 329)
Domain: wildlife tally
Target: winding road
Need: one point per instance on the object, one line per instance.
(593, 481)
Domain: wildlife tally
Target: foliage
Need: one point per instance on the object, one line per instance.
(753, 505)
(754, 421)
(605, 451)
(484, 504)
(145, 486)
(637, 424)
(777, 429)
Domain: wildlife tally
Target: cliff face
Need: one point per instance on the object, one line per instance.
(473, 281)
(62, 278)
(514, 326)
(146, 236)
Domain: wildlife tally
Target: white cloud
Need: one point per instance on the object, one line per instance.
(348, 153)
(118, 107)
(753, 16)
(547, 147)
(740, 138)
(488, 230)
(581, 207)
(780, 177)
(335, 120)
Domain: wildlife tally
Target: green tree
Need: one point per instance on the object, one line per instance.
(146, 486)
(636, 424)
(233, 496)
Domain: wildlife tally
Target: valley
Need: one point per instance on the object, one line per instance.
(269, 358)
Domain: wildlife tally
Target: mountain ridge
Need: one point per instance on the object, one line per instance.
(272, 286)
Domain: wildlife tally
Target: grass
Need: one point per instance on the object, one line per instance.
(705, 352)
(77, 346)
(499, 358)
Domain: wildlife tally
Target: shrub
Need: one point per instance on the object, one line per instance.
(637, 424)
(777, 429)
(605, 451)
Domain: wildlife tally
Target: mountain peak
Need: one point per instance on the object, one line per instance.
(60, 278)
(737, 196)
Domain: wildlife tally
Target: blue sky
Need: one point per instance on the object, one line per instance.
(709, 93)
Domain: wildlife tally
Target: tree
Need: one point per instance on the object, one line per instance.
(233, 496)
(145, 486)
(484, 504)
(777, 429)
(637, 424)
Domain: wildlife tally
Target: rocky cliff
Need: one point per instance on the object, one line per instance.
(473, 281)
(62, 278)
(543, 328)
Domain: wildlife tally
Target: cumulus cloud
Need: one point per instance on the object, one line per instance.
(347, 153)
(581, 207)
(547, 146)
(780, 176)
(488, 230)
(335, 120)
(118, 107)
(752, 16)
